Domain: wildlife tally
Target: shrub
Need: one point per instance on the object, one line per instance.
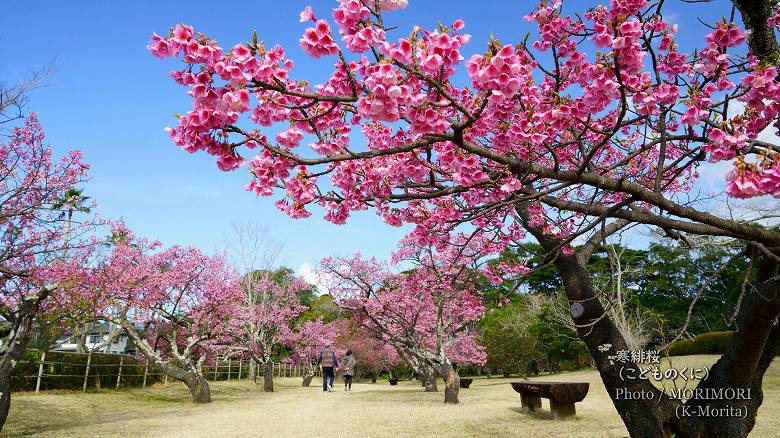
(567, 365)
(705, 343)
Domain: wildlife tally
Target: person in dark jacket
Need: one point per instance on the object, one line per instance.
(349, 370)
(328, 363)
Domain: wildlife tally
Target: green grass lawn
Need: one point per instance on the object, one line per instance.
(489, 408)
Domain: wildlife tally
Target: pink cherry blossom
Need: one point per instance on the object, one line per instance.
(173, 303)
(162, 47)
(769, 182)
(290, 137)
(391, 5)
(504, 73)
(743, 183)
(424, 313)
(693, 115)
(317, 41)
(265, 313)
(726, 35)
(354, 27)
(724, 146)
(774, 20)
(182, 34)
(458, 24)
(307, 14)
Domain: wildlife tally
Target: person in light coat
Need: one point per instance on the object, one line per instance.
(348, 368)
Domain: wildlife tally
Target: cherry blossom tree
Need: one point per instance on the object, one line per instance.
(307, 342)
(252, 248)
(599, 121)
(271, 298)
(36, 234)
(372, 354)
(175, 304)
(427, 313)
(269, 306)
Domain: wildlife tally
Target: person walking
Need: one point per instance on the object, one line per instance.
(328, 363)
(349, 370)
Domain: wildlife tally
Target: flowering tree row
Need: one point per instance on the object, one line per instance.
(427, 314)
(180, 307)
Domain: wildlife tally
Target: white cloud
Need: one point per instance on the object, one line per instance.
(311, 276)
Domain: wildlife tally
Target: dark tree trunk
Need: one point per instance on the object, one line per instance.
(643, 418)
(451, 383)
(8, 362)
(199, 388)
(268, 376)
(373, 377)
(17, 338)
(755, 16)
(5, 393)
(756, 339)
(747, 356)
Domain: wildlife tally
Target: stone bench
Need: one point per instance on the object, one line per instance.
(562, 396)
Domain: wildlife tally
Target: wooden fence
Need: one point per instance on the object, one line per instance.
(227, 369)
(40, 370)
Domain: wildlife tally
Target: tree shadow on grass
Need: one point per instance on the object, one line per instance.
(538, 415)
(28, 426)
(155, 397)
(399, 395)
(63, 410)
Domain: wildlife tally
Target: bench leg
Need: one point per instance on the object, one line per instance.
(562, 410)
(530, 403)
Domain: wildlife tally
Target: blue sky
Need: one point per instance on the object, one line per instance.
(109, 97)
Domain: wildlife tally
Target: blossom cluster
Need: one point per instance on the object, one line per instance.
(355, 27)
(504, 73)
(549, 115)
